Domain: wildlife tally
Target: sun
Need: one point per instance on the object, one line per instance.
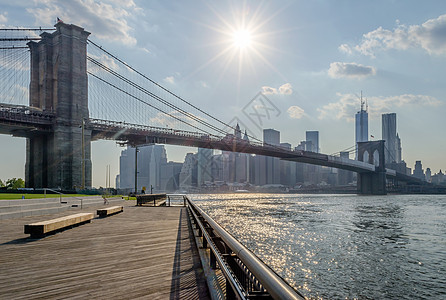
(242, 39)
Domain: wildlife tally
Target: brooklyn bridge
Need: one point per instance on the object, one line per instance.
(80, 92)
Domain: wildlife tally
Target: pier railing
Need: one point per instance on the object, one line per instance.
(247, 277)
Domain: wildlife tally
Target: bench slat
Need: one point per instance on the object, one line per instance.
(40, 228)
(109, 211)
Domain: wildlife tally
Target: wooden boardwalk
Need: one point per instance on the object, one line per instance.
(142, 253)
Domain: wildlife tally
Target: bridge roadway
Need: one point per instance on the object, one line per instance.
(142, 253)
(24, 121)
(140, 134)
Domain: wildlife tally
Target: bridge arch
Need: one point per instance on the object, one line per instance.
(376, 158)
(366, 156)
(372, 182)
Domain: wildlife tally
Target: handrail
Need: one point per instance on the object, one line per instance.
(221, 262)
(275, 285)
(60, 195)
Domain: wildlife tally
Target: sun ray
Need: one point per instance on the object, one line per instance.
(242, 32)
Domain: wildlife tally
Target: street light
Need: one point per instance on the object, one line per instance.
(136, 169)
(83, 156)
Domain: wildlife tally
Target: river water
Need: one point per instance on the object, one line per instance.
(343, 246)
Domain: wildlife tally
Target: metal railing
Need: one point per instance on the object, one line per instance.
(176, 200)
(247, 277)
(60, 196)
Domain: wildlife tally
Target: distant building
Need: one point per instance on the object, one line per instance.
(362, 124)
(287, 169)
(271, 136)
(345, 177)
(300, 166)
(238, 132)
(428, 175)
(312, 141)
(117, 182)
(399, 150)
(272, 164)
(204, 165)
(188, 174)
(390, 136)
(170, 176)
(438, 178)
(150, 160)
(312, 173)
(418, 171)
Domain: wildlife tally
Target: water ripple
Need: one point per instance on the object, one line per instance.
(343, 246)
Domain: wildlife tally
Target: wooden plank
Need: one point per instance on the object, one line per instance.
(43, 227)
(103, 212)
(146, 253)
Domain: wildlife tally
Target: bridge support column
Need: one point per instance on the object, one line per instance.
(59, 83)
(372, 183)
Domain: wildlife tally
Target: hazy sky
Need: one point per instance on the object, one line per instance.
(311, 59)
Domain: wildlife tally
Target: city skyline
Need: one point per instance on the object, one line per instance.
(309, 59)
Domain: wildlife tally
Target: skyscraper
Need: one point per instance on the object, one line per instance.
(312, 141)
(150, 160)
(272, 164)
(312, 172)
(271, 136)
(389, 135)
(204, 160)
(362, 124)
(418, 171)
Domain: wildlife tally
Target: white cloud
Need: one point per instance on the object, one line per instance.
(430, 36)
(106, 19)
(170, 79)
(284, 89)
(3, 18)
(348, 104)
(267, 90)
(350, 70)
(295, 112)
(345, 48)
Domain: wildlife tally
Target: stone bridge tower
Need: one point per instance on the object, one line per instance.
(59, 84)
(373, 183)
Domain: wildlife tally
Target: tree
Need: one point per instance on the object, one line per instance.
(15, 183)
(1, 183)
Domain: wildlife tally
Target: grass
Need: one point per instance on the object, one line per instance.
(11, 196)
(8, 196)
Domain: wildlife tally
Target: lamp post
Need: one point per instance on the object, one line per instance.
(83, 155)
(136, 169)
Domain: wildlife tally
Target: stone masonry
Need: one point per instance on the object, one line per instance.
(59, 84)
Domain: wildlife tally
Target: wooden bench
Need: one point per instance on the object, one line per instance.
(109, 211)
(39, 229)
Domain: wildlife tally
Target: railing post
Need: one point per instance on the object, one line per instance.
(213, 263)
(229, 292)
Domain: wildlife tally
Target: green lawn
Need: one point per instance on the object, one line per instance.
(6, 196)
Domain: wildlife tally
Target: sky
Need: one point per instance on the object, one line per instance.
(306, 61)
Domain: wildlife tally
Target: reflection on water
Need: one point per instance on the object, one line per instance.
(343, 246)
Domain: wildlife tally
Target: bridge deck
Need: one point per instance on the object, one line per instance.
(145, 252)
